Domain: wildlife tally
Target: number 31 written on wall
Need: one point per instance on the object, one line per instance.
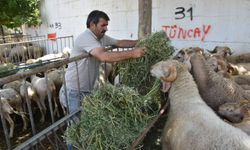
(181, 12)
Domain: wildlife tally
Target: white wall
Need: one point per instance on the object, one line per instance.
(223, 22)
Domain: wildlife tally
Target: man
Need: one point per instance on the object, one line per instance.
(93, 41)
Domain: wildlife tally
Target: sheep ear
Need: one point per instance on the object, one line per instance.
(169, 73)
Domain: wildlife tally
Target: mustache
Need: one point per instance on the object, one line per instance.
(103, 31)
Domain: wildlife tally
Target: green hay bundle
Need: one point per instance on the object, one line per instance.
(112, 118)
(135, 72)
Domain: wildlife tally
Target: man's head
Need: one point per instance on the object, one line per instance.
(97, 22)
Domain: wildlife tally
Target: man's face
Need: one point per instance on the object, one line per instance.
(100, 28)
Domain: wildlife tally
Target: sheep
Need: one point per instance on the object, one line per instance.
(106, 72)
(191, 124)
(35, 51)
(241, 79)
(233, 111)
(241, 58)
(33, 96)
(6, 111)
(222, 51)
(240, 68)
(56, 76)
(4, 53)
(42, 90)
(18, 54)
(15, 101)
(218, 62)
(50, 57)
(214, 89)
(238, 114)
(14, 84)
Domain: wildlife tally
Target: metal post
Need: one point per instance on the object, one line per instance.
(29, 107)
(7, 139)
(65, 91)
(49, 98)
(78, 82)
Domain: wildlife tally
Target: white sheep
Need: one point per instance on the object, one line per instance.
(14, 100)
(191, 124)
(42, 90)
(33, 96)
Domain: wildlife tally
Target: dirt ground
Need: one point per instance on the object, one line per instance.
(19, 135)
(152, 139)
(150, 142)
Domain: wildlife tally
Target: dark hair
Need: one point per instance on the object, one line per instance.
(95, 16)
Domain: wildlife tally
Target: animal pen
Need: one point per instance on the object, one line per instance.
(48, 135)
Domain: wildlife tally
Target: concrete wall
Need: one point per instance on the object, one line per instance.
(187, 22)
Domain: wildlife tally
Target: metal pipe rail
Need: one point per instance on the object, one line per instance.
(39, 40)
(21, 75)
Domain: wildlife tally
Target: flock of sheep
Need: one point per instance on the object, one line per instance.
(20, 53)
(209, 100)
(14, 95)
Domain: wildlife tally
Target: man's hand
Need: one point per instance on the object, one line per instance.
(138, 52)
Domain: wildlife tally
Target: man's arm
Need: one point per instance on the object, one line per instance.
(126, 43)
(106, 56)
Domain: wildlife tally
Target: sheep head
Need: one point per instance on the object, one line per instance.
(166, 71)
(222, 51)
(185, 54)
(232, 112)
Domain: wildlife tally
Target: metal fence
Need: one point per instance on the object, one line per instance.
(20, 52)
(18, 37)
(39, 136)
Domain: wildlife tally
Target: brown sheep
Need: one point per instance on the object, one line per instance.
(238, 114)
(222, 51)
(241, 58)
(215, 89)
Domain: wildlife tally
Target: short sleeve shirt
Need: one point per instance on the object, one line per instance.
(88, 68)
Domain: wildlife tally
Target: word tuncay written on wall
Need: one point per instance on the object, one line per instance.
(178, 32)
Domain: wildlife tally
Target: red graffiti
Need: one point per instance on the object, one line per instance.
(175, 32)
